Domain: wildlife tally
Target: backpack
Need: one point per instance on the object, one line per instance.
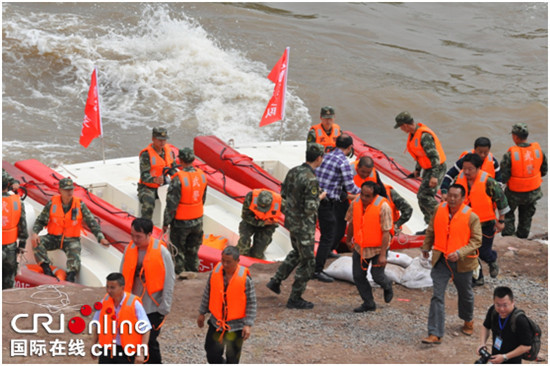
(532, 354)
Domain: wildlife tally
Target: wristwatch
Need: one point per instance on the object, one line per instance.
(505, 357)
(501, 221)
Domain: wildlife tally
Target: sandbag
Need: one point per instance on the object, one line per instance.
(341, 269)
(417, 275)
(401, 259)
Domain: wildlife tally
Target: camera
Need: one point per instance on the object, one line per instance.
(485, 356)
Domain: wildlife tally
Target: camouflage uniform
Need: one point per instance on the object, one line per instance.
(185, 235)
(405, 210)
(525, 201)
(11, 180)
(426, 195)
(251, 225)
(71, 246)
(10, 251)
(148, 195)
(300, 190)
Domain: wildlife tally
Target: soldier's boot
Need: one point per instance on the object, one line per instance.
(46, 268)
(299, 304)
(274, 286)
(71, 276)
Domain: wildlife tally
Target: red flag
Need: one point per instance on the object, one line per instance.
(91, 127)
(275, 110)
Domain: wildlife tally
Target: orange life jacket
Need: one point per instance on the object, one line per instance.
(126, 313)
(11, 213)
(274, 210)
(476, 196)
(193, 185)
(451, 235)
(395, 212)
(58, 272)
(417, 152)
(322, 138)
(367, 231)
(358, 180)
(526, 162)
(61, 223)
(158, 163)
(152, 267)
(488, 163)
(228, 303)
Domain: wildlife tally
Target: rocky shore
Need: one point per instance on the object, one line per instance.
(330, 333)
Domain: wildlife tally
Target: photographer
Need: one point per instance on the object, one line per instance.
(508, 345)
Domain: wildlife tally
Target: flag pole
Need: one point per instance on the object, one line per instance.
(284, 94)
(100, 121)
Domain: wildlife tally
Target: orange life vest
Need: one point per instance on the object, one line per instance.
(358, 180)
(476, 196)
(322, 138)
(451, 234)
(11, 213)
(228, 303)
(152, 267)
(126, 313)
(58, 272)
(274, 210)
(193, 185)
(62, 223)
(417, 152)
(526, 161)
(367, 231)
(395, 212)
(488, 163)
(158, 163)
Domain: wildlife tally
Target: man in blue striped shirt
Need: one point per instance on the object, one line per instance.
(335, 177)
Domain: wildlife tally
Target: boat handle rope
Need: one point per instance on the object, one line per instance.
(224, 182)
(37, 185)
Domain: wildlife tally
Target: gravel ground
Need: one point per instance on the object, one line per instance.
(331, 332)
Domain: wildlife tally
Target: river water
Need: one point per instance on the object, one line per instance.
(464, 69)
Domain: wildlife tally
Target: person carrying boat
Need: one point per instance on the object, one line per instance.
(155, 162)
(126, 308)
(184, 210)
(453, 236)
(261, 209)
(522, 168)
(14, 227)
(370, 222)
(325, 132)
(335, 177)
(230, 297)
(149, 274)
(426, 150)
(482, 147)
(483, 194)
(401, 209)
(63, 215)
(300, 190)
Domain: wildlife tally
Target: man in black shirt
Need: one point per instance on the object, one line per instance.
(508, 344)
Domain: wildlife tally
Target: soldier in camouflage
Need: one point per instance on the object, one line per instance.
(185, 232)
(13, 184)
(11, 250)
(69, 244)
(150, 180)
(261, 228)
(522, 196)
(300, 190)
(432, 176)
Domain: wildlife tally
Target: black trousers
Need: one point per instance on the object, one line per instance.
(360, 277)
(232, 342)
(156, 319)
(327, 225)
(117, 359)
(340, 210)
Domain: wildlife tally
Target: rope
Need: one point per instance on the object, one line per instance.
(224, 184)
(64, 300)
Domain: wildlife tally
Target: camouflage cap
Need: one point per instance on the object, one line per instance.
(327, 112)
(186, 155)
(520, 129)
(265, 198)
(403, 118)
(160, 133)
(66, 183)
(316, 149)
